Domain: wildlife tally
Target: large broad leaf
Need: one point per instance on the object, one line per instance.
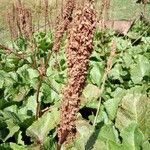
(51, 89)
(108, 137)
(23, 74)
(32, 73)
(132, 137)
(12, 127)
(40, 128)
(140, 69)
(116, 72)
(108, 132)
(90, 95)
(111, 105)
(28, 108)
(135, 106)
(96, 73)
(11, 120)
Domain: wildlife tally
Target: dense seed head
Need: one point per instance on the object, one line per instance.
(80, 46)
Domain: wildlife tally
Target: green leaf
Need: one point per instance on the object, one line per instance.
(40, 128)
(13, 128)
(96, 73)
(50, 89)
(111, 105)
(2, 78)
(84, 131)
(15, 146)
(146, 145)
(116, 72)
(108, 132)
(135, 107)
(140, 69)
(128, 60)
(100, 145)
(5, 146)
(32, 73)
(123, 44)
(49, 143)
(114, 146)
(20, 94)
(21, 44)
(132, 137)
(88, 97)
(28, 108)
(19, 138)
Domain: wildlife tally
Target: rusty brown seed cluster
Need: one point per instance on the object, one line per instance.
(80, 46)
(20, 21)
(63, 26)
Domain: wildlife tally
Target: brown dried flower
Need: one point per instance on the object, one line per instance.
(79, 49)
(20, 21)
(63, 26)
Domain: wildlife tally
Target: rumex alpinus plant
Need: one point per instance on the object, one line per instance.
(63, 26)
(80, 46)
(20, 19)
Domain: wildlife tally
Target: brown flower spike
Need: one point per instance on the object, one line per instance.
(20, 21)
(63, 26)
(80, 46)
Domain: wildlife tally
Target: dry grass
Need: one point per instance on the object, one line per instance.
(118, 10)
(38, 13)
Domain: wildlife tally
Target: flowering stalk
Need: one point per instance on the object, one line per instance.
(67, 18)
(80, 46)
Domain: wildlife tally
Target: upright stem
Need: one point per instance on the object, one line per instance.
(100, 98)
(38, 108)
(107, 70)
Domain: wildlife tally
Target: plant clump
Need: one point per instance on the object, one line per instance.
(80, 46)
